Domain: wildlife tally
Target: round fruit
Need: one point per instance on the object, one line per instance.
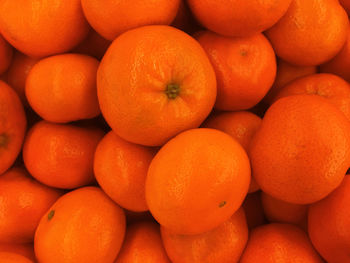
(8, 257)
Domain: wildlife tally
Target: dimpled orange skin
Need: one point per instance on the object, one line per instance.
(132, 88)
(65, 156)
(223, 244)
(13, 125)
(86, 226)
(197, 181)
(241, 126)
(26, 250)
(143, 244)
(302, 150)
(9, 257)
(310, 33)
(6, 53)
(45, 28)
(329, 86)
(238, 18)
(329, 224)
(245, 68)
(279, 243)
(121, 168)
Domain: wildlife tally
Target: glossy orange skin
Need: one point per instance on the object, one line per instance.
(279, 243)
(6, 53)
(311, 32)
(223, 244)
(24, 202)
(18, 72)
(329, 222)
(111, 18)
(143, 244)
(13, 125)
(241, 126)
(132, 87)
(86, 227)
(62, 88)
(340, 64)
(8, 257)
(286, 73)
(329, 86)
(26, 250)
(65, 156)
(302, 150)
(245, 68)
(197, 181)
(121, 168)
(238, 18)
(253, 210)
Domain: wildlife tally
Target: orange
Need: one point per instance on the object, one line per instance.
(26, 250)
(45, 28)
(329, 224)
(253, 210)
(12, 126)
(8, 257)
(5, 55)
(346, 5)
(310, 33)
(245, 68)
(82, 226)
(241, 126)
(111, 18)
(197, 181)
(62, 88)
(340, 64)
(23, 202)
(302, 150)
(143, 244)
(238, 18)
(148, 99)
(18, 72)
(285, 74)
(121, 169)
(65, 156)
(329, 86)
(223, 244)
(279, 243)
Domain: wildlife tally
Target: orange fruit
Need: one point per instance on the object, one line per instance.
(340, 64)
(223, 244)
(121, 168)
(8, 257)
(62, 88)
(238, 18)
(279, 243)
(329, 86)
(241, 126)
(346, 5)
(23, 202)
(18, 72)
(12, 126)
(302, 150)
(65, 156)
(5, 55)
(45, 28)
(286, 73)
(26, 250)
(197, 181)
(253, 210)
(329, 224)
(310, 33)
(245, 68)
(148, 99)
(82, 226)
(142, 244)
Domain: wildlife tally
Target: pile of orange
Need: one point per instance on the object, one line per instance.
(174, 131)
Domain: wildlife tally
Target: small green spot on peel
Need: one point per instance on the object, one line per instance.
(172, 91)
(222, 204)
(4, 139)
(51, 214)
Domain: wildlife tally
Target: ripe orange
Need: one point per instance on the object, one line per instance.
(44, 28)
(65, 156)
(8, 257)
(245, 68)
(26, 250)
(302, 150)
(82, 226)
(5, 55)
(346, 5)
(197, 181)
(223, 244)
(311, 32)
(253, 210)
(121, 168)
(148, 99)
